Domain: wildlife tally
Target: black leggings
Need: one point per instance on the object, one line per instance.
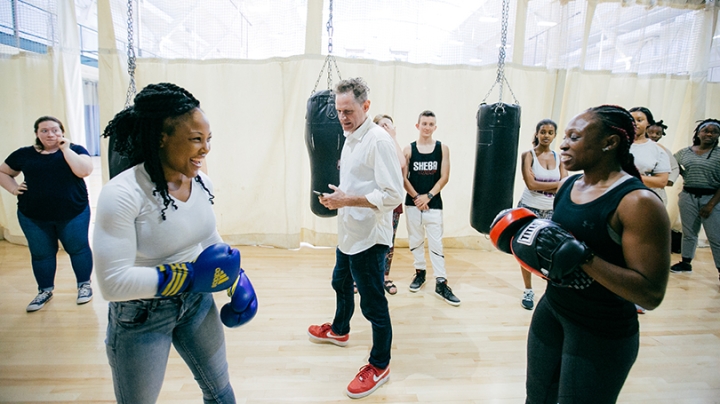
(570, 364)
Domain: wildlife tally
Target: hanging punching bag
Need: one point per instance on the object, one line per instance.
(117, 163)
(498, 132)
(324, 140)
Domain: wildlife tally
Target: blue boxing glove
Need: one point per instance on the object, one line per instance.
(216, 268)
(243, 303)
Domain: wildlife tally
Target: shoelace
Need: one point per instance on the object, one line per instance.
(366, 372)
(42, 296)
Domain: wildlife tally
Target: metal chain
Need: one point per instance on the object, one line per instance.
(130, 56)
(330, 30)
(330, 59)
(503, 44)
(501, 79)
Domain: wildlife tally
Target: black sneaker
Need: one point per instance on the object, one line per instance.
(444, 291)
(418, 280)
(681, 266)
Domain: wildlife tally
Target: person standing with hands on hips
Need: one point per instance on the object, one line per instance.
(159, 255)
(426, 174)
(370, 188)
(52, 205)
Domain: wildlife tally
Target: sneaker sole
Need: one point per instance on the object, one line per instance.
(372, 390)
(681, 272)
(326, 340)
(36, 308)
(526, 307)
(456, 304)
(415, 290)
(83, 300)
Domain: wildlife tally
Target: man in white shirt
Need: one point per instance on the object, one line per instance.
(370, 188)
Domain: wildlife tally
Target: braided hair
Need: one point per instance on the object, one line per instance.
(660, 125)
(137, 131)
(696, 135)
(615, 120)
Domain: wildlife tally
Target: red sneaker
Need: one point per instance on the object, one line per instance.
(368, 379)
(324, 333)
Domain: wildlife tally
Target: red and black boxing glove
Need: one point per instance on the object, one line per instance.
(506, 224)
(541, 247)
(546, 249)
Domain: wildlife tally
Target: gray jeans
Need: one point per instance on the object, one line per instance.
(690, 206)
(138, 342)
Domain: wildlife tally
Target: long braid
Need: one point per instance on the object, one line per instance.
(137, 131)
(618, 121)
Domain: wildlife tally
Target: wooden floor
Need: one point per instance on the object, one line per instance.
(474, 353)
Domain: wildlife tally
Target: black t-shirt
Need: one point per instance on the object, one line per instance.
(594, 307)
(424, 173)
(54, 192)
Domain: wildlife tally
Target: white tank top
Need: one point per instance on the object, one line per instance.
(538, 199)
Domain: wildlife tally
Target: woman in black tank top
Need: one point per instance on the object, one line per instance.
(583, 342)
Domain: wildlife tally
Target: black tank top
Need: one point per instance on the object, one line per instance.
(424, 173)
(595, 307)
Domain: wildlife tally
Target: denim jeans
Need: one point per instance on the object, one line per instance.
(367, 268)
(42, 237)
(138, 342)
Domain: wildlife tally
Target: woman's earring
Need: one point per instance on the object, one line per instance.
(606, 148)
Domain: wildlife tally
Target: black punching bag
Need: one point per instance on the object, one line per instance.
(324, 140)
(117, 163)
(498, 131)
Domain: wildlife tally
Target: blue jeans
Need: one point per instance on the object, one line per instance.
(42, 237)
(138, 342)
(367, 268)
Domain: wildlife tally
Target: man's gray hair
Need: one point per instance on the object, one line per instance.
(358, 87)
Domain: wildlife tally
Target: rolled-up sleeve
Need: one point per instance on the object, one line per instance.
(388, 177)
